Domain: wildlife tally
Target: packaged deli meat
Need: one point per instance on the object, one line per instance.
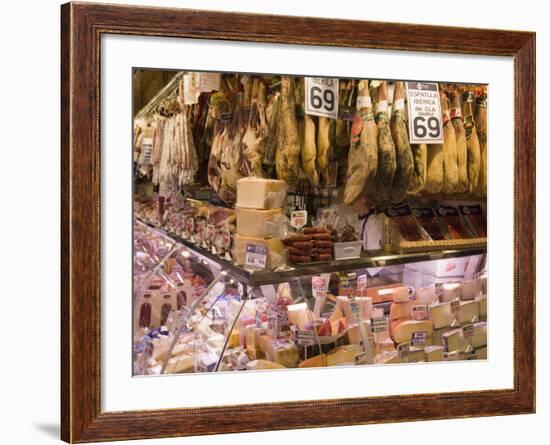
(453, 223)
(473, 216)
(406, 223)
(428, 220)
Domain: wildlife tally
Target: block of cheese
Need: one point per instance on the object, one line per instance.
(479, 335)
(441, 315)
(364, 308)
(354, 336)
(387, 358)
(263, 364)
(399, 294)
(399, 311)
(259, 223)
(283, 352)
(252, 335)
(318, 361)
(437, 336)
(261, 193)
(454, 341)
(299, 314)
(180, 364)
(336, 315)
(468, 312)
(434, 353)
(481, 353)
(402, 330)
(482, 305)
(416, 355)
(343, 355)
(276, 254)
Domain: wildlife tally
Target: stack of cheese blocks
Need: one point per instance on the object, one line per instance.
(449, 327)
(260, 204)
(402, 328)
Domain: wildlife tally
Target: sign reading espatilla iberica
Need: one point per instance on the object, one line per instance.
(424, 106)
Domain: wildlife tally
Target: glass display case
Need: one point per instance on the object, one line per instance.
(198, 312)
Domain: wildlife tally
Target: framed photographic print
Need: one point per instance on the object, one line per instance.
(277, 222)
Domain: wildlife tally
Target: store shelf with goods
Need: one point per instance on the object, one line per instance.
(366, 260)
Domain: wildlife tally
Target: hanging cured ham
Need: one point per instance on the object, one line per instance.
(461, 144)
(450, 159)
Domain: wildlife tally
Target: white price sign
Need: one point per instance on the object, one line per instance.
(298, 219)
(146, 151)
(322, 96)
(256, 256)
(425, 123)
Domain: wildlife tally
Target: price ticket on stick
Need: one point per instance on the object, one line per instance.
(322, 96)
(298, 219)
(424, 106)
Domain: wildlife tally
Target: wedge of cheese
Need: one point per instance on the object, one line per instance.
(276, 254)
(454, 341)
(479, 335)
(416, 355)
(468, 312)
(402, 330)
(441, 315)
(263, 364)
(399, 311)
(283, 352)
(261, 193)
(259, 223)
(482, 305)
(300, 315)
(318, 361)
(384, 345)
(343, 355)
(434, 353)
(437, 336)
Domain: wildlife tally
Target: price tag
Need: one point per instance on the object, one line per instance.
(379, 324)
(190, 225)
(209, 82)
(419, 338)
(419, 312)
(468, 330)
(403, 349)
(298, 219)
(259, 319)
(191, 90)
(256, 256)
(275, 311)
(322, 96)
(226, 239)
(146, 151)
(305, 338)
(240, 289)
(318, 287)
(361, 282)
(210, 232)
(425, 123)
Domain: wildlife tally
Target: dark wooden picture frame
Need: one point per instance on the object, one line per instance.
(82, 26)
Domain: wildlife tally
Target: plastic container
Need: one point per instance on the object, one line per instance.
(347, 251)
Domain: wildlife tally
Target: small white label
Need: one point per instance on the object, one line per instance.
(305, 338)
(468, 330)
(256, 256)
(318, 287)
(451, 356)
(361, 282)
(379, 324)
(419, 312)
(191, 90)
(146, 151)
(399, 104)
(425, 123)
(322, 96)
(298, 219)
(364, 102)
(419, 338)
